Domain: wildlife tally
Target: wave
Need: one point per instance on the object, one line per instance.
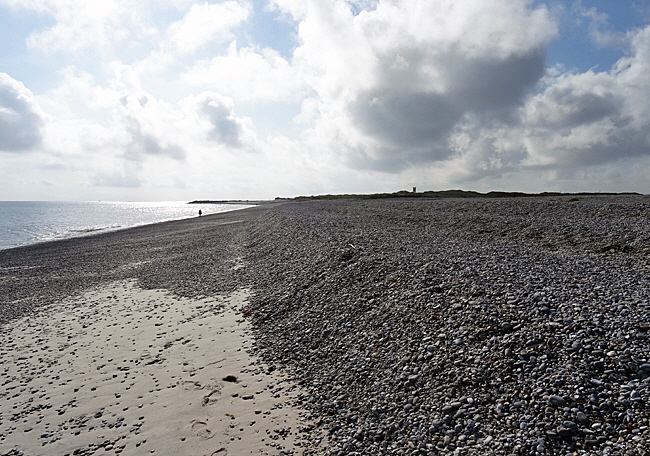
(74, 232)
(95, 228)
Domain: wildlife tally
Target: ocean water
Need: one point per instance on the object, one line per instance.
(30, 222)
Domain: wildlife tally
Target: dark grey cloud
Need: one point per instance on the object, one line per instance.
(405, 119)
(386, 160)
(570, 107)
(496, 116)
(619, 144)
(21, 126)
(226, 128)
(484, 85)
(416, 123)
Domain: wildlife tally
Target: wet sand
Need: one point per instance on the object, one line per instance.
(123, 370)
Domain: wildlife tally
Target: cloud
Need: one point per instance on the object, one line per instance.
(152, 125)
(21, 121)
(407, 118)
(147, 144)
(389, 93)
(118, 27)
(574, 100)
(116, 180)
(600, 30)
(577, 126)
(202, 31)
(80, 26)
(358, 6)
(225, 128)
(395, 80)
(593, 117)
(207, 23)
(248, 75)
(461, 90)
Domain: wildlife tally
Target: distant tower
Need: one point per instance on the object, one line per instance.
(414, 189)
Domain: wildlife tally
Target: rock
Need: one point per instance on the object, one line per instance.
(447, 409)
(570, 425)
(557, 401)
(582, 418)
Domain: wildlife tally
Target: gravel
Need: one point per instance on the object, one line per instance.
(514, 326)
(415, 327)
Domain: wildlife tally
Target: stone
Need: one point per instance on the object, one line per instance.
(582, 418)
(557, 401)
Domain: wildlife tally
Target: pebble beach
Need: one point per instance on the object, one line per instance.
(369, 327)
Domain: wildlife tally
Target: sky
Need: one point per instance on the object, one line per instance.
(143, 100)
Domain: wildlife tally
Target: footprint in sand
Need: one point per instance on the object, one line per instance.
(211, 398)
(200, 428)
(190, 385)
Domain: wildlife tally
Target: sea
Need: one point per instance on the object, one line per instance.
(31, 222)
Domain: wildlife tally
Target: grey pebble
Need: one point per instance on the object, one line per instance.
(556, 400)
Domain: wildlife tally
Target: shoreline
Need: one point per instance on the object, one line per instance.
(417, 326)
(85, 232)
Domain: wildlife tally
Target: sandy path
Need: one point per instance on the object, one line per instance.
(128, 371)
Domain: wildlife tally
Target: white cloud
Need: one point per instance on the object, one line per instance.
(206, 23)
(220, 124)
(600, 31)
(203, 29)
(573, 99)
(226, 129)
(122, 137)
(591, 118)
(152, 124)
(106, 128)
(21, 119)
(248, 75)
(82, 25)
(114, 27)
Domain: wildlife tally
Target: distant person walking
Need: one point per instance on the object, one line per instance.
(200, 213)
